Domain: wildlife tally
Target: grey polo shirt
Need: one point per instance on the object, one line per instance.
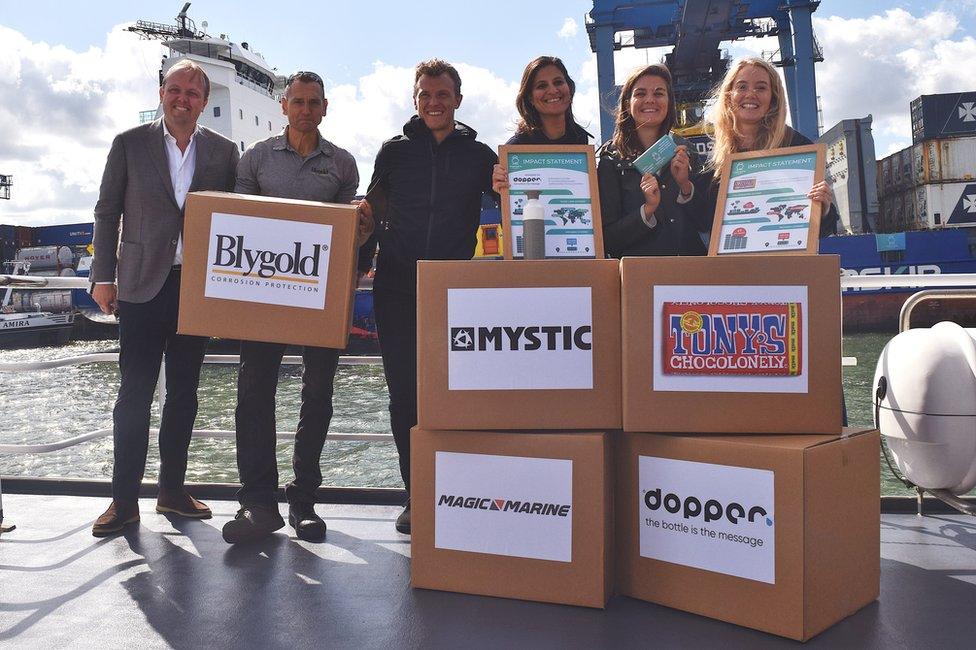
(272, 168)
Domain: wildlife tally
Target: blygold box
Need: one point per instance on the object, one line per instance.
(267, 269)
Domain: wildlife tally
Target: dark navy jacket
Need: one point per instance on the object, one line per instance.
(429, 200)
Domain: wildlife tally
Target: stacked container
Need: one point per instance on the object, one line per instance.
(518, 393)
(739, 496)
(932, 184)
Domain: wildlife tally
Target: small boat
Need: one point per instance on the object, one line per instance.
(34, 329)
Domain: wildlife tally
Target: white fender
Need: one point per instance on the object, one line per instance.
(928, 411)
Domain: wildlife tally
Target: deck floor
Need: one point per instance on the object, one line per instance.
(174, 583)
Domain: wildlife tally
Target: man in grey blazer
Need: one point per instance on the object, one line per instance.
(136, 275)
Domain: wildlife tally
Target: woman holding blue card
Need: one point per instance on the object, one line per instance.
(646, 174)
(749, 114)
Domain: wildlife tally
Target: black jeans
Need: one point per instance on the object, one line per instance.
(257, 384)
(147, 331)
(396, 327)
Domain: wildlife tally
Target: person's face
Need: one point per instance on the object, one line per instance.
(182, 98)
(550, 91)
(751, 95)
(649, 101)
(304, 106)
(436, 100)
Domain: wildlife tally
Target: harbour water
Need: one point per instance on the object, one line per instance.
(49, 405)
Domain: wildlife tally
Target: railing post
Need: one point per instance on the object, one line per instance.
(3, 529)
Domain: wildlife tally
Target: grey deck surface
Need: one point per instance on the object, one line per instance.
(174, 583)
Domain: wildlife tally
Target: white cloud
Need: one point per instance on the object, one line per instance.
(879, 64)
(569, 29)
(362, 116)
(59, 110)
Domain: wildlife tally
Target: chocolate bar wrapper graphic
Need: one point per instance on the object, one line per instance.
(732, 338)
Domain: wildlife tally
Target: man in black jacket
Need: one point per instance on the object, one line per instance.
(426, 191)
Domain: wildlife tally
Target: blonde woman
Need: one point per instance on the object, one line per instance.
(749, 114)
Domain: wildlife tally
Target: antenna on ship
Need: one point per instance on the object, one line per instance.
(6, 180)
(184, 28)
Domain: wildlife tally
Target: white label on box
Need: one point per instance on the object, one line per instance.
(504, 505)
(714, 517)
(729, 383)
(270, 261)
(520, 338)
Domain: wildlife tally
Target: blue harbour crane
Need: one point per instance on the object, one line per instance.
(696, 29)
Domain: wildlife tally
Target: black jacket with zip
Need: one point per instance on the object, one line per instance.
(428, 200)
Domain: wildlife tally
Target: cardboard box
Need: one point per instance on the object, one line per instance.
(519, 344)
(524, 515)
(267, 269)
(777, 533)
(732, 344)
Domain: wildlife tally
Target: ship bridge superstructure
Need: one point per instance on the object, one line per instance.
(244, 89)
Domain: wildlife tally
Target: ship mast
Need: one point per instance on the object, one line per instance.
(184, 28)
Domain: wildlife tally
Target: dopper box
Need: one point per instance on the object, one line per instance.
(524, 515)
(739, 344)
(778, 533)
(268, 269)
(518, 344)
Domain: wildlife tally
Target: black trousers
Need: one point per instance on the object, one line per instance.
(396, 326)
(147, 333)
(257, 383)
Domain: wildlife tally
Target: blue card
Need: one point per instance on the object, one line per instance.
(657, 155)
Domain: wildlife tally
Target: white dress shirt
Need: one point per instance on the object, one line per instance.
(182, 164)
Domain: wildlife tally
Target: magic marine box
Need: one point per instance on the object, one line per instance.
(518, 344)
(518, 515)
(732, 345)
(267, 269)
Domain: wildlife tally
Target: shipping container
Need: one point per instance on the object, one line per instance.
(943, 116)
(71, 234)
(951, 160)
(8, 234)
(898, 212)
(852, 171)
(24, 236)
(896, 172)
(946, 204)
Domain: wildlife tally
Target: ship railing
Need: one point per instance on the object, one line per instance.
(244, 81)
(376, 496)
(113, 357)
(896, 281)
(35, 282)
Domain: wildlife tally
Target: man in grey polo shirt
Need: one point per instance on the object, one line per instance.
(296, 164)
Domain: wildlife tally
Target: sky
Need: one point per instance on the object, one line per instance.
(71, 77)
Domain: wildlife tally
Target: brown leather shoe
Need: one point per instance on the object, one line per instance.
(113, 520)
(182, 504)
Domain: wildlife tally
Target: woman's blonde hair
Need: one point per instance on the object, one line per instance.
(772, 129)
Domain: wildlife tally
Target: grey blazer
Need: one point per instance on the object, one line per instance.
(137, 191)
